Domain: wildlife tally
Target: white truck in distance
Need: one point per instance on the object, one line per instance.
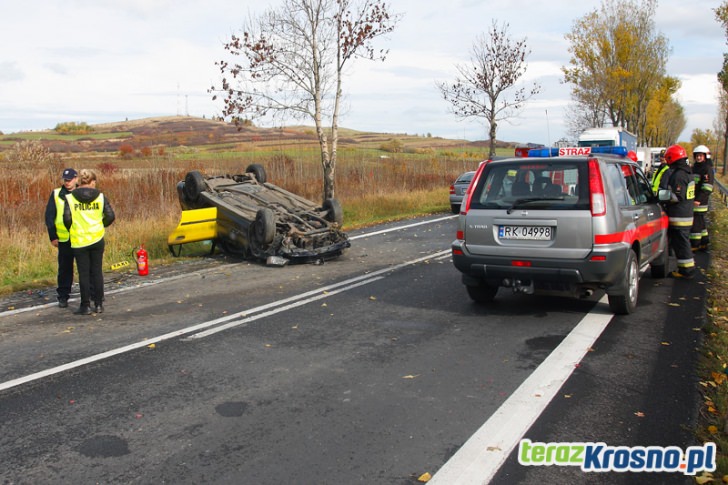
(648, 158)
(608, 137)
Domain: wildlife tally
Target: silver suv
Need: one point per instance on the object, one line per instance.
(569, 220)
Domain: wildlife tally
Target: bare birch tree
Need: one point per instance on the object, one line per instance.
(290, 62)
(497, 64)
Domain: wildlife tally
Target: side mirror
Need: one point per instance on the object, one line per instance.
(665, 195)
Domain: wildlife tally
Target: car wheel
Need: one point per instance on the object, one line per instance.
(482, 293)
(455, 208)
(264, 227)
(660, 267)
(334, 212)
(183, 200)
(626, 302)
(258, 171)
(194, 185)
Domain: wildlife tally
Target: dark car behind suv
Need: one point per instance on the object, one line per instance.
(568, 221)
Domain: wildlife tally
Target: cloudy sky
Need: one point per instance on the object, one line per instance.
(98, 61)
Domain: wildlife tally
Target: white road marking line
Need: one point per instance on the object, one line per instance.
(308, 297)
(320, 296)
(480, 458)
(327, 288)
(399, 228)
(172, 278)
(136, 286)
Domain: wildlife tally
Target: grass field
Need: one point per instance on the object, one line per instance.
(378, 177)
(713, 421)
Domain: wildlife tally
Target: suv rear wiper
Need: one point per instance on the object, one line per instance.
(527, 200)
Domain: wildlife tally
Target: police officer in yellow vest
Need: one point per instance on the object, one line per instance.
(59, 236)
(659, 177)
(86, 215)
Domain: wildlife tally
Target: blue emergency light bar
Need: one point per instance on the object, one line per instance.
(543, 152)
(575, 151)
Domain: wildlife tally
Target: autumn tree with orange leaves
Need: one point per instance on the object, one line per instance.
(721, 15)
(617, 71)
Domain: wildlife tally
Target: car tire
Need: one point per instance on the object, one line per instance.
(334, 212)
(183, 200)
(455, 208)
(259, 172)
(626, 302)
(660, 267)
(482, 293)
(194, 186)
(264, 227)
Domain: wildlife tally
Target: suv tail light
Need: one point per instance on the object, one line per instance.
(596, 189)
(471, 188)
(452, 189)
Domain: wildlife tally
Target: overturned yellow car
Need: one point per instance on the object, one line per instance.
(248, 217)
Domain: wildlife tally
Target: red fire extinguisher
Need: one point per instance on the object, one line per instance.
(141, 261)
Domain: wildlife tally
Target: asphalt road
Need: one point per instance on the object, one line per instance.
(372, 368)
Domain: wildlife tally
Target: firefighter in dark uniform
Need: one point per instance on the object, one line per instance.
(704, 176)
(680, 210)
(59, 235)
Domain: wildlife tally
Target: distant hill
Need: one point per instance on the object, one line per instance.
(191, 131)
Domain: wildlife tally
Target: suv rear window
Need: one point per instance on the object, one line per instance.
(550, 185)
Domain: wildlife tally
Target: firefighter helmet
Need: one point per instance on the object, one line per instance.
(675, 153)
(701, 149)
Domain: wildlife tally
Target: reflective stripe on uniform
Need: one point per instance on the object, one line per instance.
(686, 263)
(680, 221)
(658, 177)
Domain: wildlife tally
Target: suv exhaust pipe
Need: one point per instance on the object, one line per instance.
(518, 286)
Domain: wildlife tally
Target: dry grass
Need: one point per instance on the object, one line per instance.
(372, 186)
(713, 422)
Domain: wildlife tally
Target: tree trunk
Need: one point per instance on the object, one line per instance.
(330, 167)
(725, 145)
(492, 133)
(328, 164)
(329, 170)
